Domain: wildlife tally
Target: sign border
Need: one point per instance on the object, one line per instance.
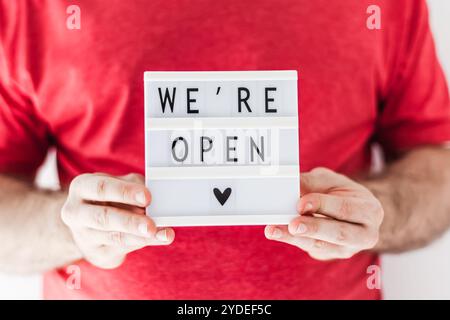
(279, 75)
(223, 220)
(220, 76)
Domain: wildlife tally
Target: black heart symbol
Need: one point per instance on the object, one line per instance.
(222, 197)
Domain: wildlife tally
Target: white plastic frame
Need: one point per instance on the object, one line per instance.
(229, 172)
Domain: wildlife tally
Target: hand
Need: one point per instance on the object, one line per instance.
(338, 217)
(106, 216)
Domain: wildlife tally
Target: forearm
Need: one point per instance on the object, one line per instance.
(414, 192)
(33, 237)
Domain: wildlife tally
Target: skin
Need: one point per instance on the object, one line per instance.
(406, 207)
(101, 218)
(338, 217)
(106, 216)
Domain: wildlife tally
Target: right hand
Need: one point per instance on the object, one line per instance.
(106, 216)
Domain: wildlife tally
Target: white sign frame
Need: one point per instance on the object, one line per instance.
(221, 172)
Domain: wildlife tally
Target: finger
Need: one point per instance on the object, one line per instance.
(350, 209)
(129, 242)
(281, 233)
(94, 187)
(332, 231)
(108, 218)
(322, 180)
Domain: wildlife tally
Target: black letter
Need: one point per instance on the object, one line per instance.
(240, 99)
(254, 146)
(269, 100)
(174, 143)
(231, 149)
(189, 100)
(167, 97)
(202, 139)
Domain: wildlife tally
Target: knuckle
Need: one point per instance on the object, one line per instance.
(372, 240)
(316, 200)
(68, 213)
(379, 213)
(130, 222)
(320, 171)
(342, 234)
(374, 211)
(373, 204)
(65, 214)
(125, 191)
(101, 188)
(347, 255)
(84, 239)
(306, 178)
(344, 209)
(117, 238)
(76, 183)
(77, 180)
(100, 217)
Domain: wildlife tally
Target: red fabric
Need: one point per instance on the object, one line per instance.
(81, 91)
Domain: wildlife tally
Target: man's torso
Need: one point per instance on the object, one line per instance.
(89, 84)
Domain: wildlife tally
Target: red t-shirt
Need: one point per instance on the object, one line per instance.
(81, 91)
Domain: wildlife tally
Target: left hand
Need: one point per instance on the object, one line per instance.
(338, 217)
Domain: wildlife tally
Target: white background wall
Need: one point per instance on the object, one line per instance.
(420, 274)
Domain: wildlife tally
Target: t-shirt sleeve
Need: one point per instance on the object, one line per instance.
(23, 133)
(416, 108)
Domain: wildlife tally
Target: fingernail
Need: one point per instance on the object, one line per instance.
(276, 233)
(140, 197)
(143, 228)
(161, 235)
(301, 228)
(308, 206)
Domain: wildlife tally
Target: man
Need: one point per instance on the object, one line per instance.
(80, 91)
